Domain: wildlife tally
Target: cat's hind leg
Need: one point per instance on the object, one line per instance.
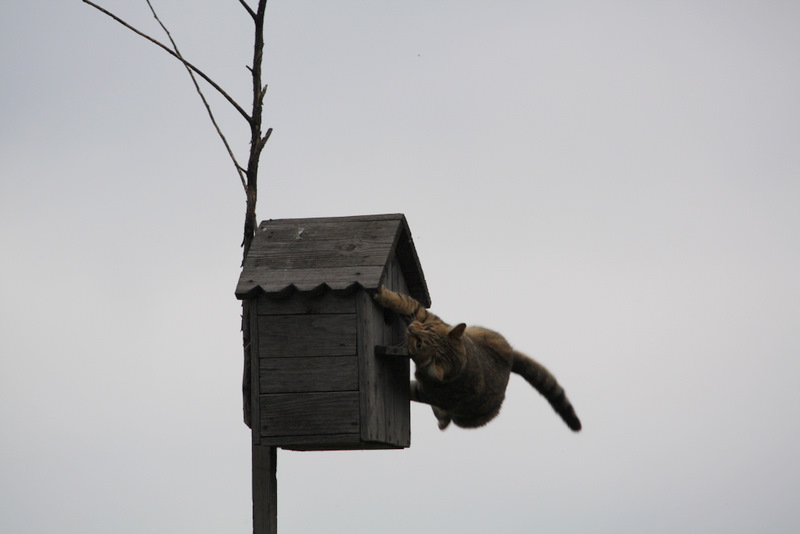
(442, 417)
(415, 392)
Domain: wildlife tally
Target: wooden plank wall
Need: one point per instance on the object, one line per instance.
(308, 372)
(320, 384)
(385, 402)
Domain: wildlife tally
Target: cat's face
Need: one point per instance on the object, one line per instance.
(437, 348)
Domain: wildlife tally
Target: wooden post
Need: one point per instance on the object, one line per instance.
(265, 490)
(265, 458)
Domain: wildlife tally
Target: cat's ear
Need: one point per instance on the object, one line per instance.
(457, 331)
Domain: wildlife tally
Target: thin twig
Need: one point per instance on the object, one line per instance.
(249, 10)
(202, 97)
(169, 51)
(264, 139)
(263, 93)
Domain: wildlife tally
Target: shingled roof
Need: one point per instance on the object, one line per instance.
(339, 253)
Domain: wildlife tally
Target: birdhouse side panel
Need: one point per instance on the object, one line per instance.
(385, 404)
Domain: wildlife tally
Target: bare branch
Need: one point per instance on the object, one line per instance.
(248, 175)
(264, 139)
(178, 57)
(249, 10)
(202, 97)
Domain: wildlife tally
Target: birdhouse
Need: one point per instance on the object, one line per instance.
(326, 370)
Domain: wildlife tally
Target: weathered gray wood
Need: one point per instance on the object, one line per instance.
(300, 303)
(323, 442)
(383, 382)
(284, 336)
(337, 278)
(399, 374)
(317, 380)
(320, 382)
(309, 413)
(265, 489)
(255, 372)
(408, 263)
(383, 350)
(315, 254)
(369, 325)
(328, 442)
(348, 218)
(338, 252)
(310, 374)
(299, 230)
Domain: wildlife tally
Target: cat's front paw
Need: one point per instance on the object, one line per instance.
(382, 296)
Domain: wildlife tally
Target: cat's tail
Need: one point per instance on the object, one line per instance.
(545, 383)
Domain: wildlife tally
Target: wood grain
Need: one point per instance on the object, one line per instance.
(309, 413)
(306, 304)
(286, 336)
(314, 374)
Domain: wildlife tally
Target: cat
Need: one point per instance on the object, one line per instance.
(462, 372)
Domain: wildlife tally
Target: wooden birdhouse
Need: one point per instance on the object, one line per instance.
(326, 374)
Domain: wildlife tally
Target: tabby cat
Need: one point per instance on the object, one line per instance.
(462, 372)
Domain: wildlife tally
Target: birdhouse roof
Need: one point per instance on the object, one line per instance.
(339, 253)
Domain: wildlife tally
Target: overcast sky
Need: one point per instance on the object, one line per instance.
(615, 186)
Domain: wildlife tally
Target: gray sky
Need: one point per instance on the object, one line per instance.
(614, 186)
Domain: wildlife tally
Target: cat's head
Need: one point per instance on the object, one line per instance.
(437, 348)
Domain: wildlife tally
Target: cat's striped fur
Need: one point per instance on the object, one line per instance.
(462, 372)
